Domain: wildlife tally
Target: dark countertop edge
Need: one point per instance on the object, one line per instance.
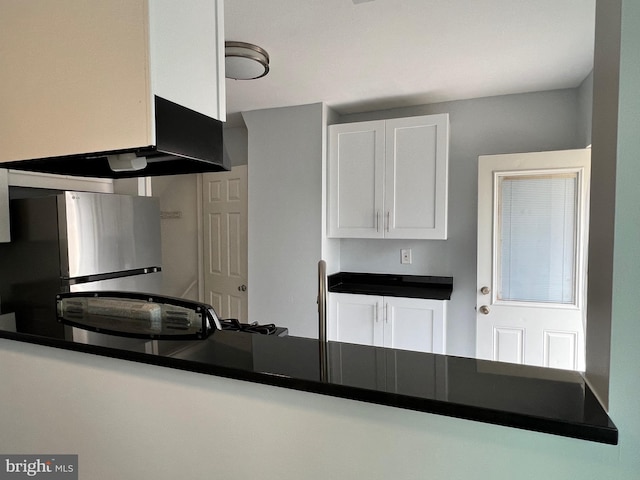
(426, 287)
(404, 292)
(599, 434)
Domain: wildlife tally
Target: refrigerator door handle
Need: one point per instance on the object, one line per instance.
(108, 276)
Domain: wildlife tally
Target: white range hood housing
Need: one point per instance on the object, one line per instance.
(86, 79)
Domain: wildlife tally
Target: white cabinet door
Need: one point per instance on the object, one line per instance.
(356, 179)
(416, 166)
(388, 178)
(415, 324)
(355, 319)
(403, 323)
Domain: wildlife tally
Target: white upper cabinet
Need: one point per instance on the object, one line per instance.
(81, 76)
(388, 178)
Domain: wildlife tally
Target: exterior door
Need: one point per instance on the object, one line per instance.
(225, 242)
(532, 250)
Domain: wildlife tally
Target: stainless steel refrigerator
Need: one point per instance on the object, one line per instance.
(78, 241)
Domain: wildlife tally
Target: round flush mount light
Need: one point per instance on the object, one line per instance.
(245, 61)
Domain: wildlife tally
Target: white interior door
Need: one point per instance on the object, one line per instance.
(532, 250)
(225, 242)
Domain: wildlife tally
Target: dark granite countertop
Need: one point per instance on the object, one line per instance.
(543, 400)
(392, 285)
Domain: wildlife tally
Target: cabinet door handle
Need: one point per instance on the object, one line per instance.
(386, 313)
(377, 220)
(388, 220)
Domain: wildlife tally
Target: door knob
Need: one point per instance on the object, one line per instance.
(485, 290)
(484, 310)
(242, 288)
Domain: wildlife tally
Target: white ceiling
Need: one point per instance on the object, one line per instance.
(362, 55)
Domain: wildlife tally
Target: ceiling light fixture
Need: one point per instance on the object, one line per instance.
(245, 61)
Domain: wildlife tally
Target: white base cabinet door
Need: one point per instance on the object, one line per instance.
(415, 324)
(394, 322)
(355, 319)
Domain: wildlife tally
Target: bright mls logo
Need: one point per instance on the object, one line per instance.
(49, 467)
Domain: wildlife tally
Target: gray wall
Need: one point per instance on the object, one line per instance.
(606, 80)
(178, 234)
(236, 143)
(285, 215)
(330, 246)
(505, 124)
(585, 110)
(178, 197)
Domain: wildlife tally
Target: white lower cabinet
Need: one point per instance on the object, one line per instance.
(394, 322)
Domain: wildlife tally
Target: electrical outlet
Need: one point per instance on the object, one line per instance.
(405, 255)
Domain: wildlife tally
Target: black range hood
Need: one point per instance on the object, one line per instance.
(187, 142)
